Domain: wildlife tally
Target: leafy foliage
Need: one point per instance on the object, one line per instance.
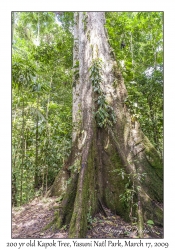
(42, 101)
(129, 197)
(141, 62)
(104, 114)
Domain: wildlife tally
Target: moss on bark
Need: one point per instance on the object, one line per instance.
(65, 210)
(151, 210)
(99, 179)
(86, 198)
(60, 184)
(114, 184)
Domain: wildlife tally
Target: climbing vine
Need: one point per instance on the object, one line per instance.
(104, 114)
(85, 17)
(131, 191)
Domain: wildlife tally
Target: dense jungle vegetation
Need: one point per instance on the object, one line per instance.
(42, 72)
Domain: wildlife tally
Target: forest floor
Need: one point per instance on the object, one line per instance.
(31, 221)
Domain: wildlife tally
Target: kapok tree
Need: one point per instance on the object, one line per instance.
(112, 163)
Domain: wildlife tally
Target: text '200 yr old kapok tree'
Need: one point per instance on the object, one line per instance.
(108, 148)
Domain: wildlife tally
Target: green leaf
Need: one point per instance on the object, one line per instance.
(150, 222)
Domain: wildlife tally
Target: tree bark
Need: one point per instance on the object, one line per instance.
(92, 177)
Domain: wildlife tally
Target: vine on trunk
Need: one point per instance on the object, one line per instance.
(85, 17)
(132, 188)
(104, 114)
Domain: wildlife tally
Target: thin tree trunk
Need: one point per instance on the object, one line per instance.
(47, 134)
(13, 24)
(38, 26)
(103, 146)
(23, 153)
(132, 51)
(36, 146)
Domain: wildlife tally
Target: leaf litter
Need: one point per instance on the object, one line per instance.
(31, 221)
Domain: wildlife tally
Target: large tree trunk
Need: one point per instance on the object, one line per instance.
(110, 154)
